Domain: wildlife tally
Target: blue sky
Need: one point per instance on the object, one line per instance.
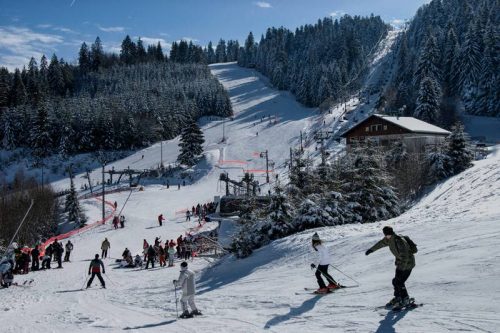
(34, 27)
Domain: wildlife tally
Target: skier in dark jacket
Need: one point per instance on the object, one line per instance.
(47, 258)
(69, 248)
(405, 262)
(58, 252)
(35, 262)
(95, 269)
(151, 256)
(160, 219)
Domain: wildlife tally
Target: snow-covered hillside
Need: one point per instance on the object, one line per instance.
(455, 227)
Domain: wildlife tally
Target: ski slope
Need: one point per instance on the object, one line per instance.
(455, 227)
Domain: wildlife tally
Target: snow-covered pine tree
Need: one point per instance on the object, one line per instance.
(311, 215)
(397, 155)
(439, 164)
(427, 66)
(40, 137)
(191, 144)
(367, 188)
(72, 206)
(428, 101)
(458, 149)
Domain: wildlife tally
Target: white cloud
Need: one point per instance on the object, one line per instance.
(397, 23)
(154, 41)
(189, 39)
(263, 4)
(337, 13)
(44, 26)
(18, 45)
(66, 30)
(111, 29)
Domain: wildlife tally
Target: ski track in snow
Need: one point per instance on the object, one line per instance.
(455, 227)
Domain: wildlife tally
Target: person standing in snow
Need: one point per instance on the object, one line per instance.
(35, 261)
(405, 262)
(160, 219)
(151, 256)
(187, 283)
(122, 221)
(69, 248)
(58, 251)
(105, 246)
(95, 268)
(161, 254)
(171, 253)
(322, 269)
(188, 215)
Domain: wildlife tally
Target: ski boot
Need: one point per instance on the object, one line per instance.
(322, 291)
(186, 315)
(333, 286)
(196, 313)
(391, 303)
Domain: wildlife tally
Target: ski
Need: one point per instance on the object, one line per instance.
(341, 287)
(410, 306)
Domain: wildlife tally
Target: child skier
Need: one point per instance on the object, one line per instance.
(322, 269)
(95, 269)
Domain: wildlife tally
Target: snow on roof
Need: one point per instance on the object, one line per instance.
(413, 124)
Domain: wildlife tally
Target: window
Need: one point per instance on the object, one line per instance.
(385, 127)
(354, 139)
(367, 129)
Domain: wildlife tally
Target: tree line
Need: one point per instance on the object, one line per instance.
(447, 62)
(106, 102)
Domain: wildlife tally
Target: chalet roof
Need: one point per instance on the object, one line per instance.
(412, 124)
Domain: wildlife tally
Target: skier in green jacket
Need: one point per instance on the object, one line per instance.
(405, 262)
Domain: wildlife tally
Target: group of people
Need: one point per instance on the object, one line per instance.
(119, 221)
(201, 211)
(403, 249)
(18, 261)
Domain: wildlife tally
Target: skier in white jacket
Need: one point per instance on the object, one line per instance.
(322, 269)
(187, 283)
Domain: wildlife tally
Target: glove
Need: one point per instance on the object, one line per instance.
(313, 266)
(103, 272)
(89, 273)
(368, 252)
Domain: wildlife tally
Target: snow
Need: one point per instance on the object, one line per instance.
(455, 227)
(414, 124)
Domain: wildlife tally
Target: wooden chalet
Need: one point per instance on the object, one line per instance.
(384, 130)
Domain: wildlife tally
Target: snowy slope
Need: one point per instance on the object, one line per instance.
(455, 227)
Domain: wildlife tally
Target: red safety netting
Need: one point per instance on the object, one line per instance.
(75, 231)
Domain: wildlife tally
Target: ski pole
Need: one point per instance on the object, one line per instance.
(355, 281)
(110, 279)
(84, 283)
(175, 291)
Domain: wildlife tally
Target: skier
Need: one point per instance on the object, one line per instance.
(116, 220)
(122, 221)
(58, 251)
(95, 267)
(171, 254)
(47, 257)
(6, 272)
(151, 256)
(160, 219)
(35, 261)
(69, 248)
(105, 246)
(322, 269)
(161, 253)
(116, 205)
(401, 248)
(188, 215)
(145, 247)
(186, 281)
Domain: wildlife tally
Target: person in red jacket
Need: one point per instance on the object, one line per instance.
(160, 219)
(95, 268)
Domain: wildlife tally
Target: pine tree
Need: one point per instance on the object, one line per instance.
(4, 87)
(191, 144)
(40, 138)
(128, 51)
(96, 54)
(84, 60)
(367, 188)
(72, 206)
(55, 77)
(428, 101)
(18, 94)
(458, 149)
(159, 56)
(427, 66)
(210, 53)
(141, 51)
(439, 164)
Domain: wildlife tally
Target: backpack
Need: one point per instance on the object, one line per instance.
(411, 244)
